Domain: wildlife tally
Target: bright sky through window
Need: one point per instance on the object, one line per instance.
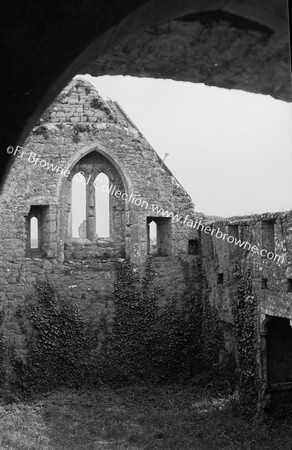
(34, 234)
(102, 205)
(78, 203)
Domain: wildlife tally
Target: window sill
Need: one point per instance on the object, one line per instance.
(34, 253)
(85, 241)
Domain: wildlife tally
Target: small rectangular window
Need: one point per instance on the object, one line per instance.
(193, 247)
(234, 233)
(268, 235)
(34, 233)
(264, 283)
(159, 236)
(289, 284)
(220, 278)
(37, 230)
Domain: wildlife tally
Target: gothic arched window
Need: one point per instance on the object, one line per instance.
(102, 205)
(94, 209)
(78, 206)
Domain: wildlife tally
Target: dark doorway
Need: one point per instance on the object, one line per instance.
(279, 359)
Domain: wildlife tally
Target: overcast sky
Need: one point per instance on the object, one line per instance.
(231, 150)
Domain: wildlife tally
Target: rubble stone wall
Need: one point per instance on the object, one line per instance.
(82, 132)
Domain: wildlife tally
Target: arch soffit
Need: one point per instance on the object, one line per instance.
(266, 319)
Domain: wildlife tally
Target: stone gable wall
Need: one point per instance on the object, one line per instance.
(81, 126)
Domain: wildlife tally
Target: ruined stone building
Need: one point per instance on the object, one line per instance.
(237, 274)
(84, 140)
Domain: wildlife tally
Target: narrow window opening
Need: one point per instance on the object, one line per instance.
(220, 278)
(34, 233)
(233, 231)
(152, 246)
(37, 226)
(102, 205)
(93, 212)
(268, 235)
(193, 247)
(159, 236)
(289, 285)
(79, 206)
(264, 283)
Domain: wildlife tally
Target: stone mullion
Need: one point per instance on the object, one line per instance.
(90, 210)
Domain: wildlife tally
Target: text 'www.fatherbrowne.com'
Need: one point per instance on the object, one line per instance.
(32, 158)
(199, 226)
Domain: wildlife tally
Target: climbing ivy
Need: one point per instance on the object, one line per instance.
(216, 366)
(244, 309)
(2, 352)
(41, 130)
(145, 342)
(58, 344)
(99, 103)
(126, 354)
(7, 354)
(148, 343)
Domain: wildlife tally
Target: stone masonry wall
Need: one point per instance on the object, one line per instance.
(270, 278)
(81, 126)
(218, 255)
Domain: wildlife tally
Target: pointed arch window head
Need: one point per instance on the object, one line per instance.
(102, 205)
(92, 211)
(79, 206)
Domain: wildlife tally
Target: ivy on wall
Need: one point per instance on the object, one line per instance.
(125, 353)
(99, 103)
(244, 311)
(217, 367)
(2, 353)
(57, 341)
(179, 342)
(148, 343)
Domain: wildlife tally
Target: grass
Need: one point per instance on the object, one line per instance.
(136, 418)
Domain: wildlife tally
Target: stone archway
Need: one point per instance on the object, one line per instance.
(67, 36)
